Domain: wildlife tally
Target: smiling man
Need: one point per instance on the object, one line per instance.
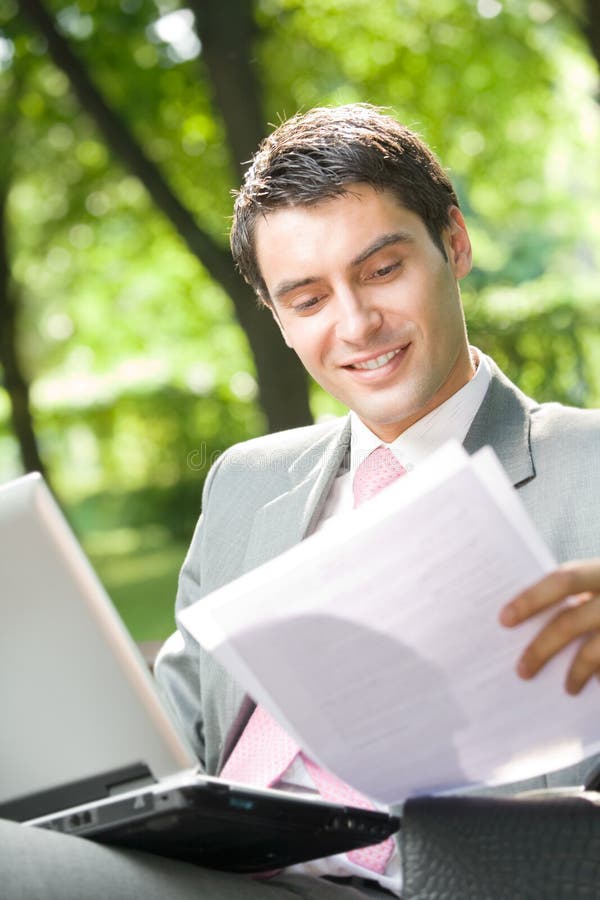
(370, 303)
(350, 233)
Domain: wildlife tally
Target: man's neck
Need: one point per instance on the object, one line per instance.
(449, 420)
(460, 375)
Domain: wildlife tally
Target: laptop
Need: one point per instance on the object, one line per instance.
(87, 747)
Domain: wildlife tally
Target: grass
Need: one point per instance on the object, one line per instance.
(139, 570)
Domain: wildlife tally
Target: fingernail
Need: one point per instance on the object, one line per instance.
(523, 669)
(508, 615)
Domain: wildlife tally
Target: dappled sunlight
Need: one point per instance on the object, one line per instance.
(126, 325)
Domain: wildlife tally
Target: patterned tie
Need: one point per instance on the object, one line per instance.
(379, 469)
(264, 751)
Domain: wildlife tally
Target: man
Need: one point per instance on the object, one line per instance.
(352, 236)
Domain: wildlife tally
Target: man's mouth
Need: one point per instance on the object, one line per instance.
(378, 362)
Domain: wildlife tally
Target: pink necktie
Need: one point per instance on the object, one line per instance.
(377, 471)
(264, 751)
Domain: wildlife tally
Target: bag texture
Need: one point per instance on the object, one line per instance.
(483, 848)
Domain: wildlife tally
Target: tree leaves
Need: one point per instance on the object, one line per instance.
(505, 99)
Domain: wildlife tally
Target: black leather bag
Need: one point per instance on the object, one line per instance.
(532, 847)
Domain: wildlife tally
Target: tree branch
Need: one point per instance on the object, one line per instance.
(15, 382)
(284, 397)
(121, 141)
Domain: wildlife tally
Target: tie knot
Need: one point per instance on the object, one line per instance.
(379, 469)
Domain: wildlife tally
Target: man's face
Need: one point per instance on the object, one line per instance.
(369, 304)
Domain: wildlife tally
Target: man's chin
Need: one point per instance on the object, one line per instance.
(388, 426)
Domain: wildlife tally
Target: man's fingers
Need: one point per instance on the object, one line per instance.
(585, 665)
(568, 580)
(574, 589)
(569, 624)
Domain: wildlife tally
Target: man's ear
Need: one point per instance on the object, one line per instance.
(275, 315)
(458, 244)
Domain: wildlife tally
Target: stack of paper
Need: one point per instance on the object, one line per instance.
(376, 642)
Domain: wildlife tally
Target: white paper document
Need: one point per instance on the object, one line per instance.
(376, 643)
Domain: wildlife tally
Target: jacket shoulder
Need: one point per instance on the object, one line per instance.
(261, 466)
(290, 443)
(566, 425)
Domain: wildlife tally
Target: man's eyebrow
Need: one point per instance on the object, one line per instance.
(385, 240)
(286, 287)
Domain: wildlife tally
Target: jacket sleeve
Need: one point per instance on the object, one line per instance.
(177, 667)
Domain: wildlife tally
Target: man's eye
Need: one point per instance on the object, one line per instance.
(382, 271)
(305, 305)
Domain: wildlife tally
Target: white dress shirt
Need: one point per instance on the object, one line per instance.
(451, 420)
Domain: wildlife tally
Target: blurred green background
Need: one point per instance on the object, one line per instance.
(131, 355)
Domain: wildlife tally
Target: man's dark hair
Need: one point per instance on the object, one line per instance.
(315, 156)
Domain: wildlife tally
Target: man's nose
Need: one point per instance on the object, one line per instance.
(358, 318)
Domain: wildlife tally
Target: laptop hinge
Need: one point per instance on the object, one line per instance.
(74, 793)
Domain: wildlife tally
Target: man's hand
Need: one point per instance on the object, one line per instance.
(577, 619)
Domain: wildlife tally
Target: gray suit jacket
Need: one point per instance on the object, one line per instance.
(263, 496)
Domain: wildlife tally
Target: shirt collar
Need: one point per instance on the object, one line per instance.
(451, 420)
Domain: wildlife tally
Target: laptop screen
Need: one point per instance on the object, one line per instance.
(75, 696)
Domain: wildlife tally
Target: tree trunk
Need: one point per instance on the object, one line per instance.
(281, 378)
(15, 382)
(591, 28)
(227, 32)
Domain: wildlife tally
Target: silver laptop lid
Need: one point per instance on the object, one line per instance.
(76, 698)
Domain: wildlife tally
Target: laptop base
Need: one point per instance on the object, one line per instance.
(224, 826)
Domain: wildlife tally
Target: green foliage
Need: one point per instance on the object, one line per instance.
(140, 373)
(154, 439)
(141, 580)
(545, 338)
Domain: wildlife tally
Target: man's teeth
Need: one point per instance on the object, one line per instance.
(376, 363)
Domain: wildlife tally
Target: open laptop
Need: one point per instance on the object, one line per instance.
(86, 746)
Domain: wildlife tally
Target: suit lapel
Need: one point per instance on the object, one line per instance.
(288, 518)
(503, 422)
(277, 526)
